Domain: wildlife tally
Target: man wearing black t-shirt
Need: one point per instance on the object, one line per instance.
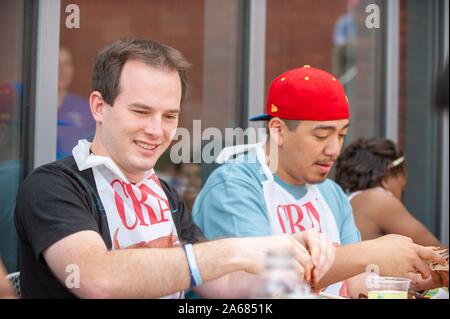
(100, 224)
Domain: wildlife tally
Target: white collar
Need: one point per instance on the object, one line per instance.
(85, 160)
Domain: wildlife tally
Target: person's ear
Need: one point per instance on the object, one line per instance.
(97, 105)
(277, 129)
(385, 183)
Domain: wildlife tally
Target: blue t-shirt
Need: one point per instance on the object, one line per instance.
(231, 204)
(75, 123)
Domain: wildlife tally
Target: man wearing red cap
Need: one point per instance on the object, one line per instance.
(256, 193)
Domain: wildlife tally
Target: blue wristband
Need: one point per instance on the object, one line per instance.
(196, 279)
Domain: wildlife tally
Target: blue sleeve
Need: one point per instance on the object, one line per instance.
(231, 208)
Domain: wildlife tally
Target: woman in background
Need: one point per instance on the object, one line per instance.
(373, 173)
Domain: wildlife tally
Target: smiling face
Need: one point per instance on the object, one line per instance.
(307, 154)
(141, 123)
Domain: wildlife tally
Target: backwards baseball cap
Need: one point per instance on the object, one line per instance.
(306, 94)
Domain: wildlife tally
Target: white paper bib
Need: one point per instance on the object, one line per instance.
(138, 215)
(286, 214)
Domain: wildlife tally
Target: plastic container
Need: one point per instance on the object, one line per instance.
(280, 279)
(387, 287)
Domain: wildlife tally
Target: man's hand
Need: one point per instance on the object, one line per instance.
(321, 249)
(436, 280)
(255, 250)
(397, 255)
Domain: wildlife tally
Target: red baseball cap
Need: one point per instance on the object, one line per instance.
(306, 93)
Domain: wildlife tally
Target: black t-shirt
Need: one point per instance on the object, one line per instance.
(58, 200)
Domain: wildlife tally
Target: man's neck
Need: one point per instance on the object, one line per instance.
(280, 172)
(97, 148)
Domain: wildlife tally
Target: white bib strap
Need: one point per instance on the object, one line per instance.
(228, 152)
(261, 156)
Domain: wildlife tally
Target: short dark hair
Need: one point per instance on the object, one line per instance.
(110, 61)
(291, 125)
(366, 162)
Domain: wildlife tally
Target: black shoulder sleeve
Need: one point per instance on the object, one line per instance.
(182, 216)
(50, 206)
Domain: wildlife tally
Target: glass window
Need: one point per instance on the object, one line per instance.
(206, 32)
(333, 38)
(11, 125)
(417, 122)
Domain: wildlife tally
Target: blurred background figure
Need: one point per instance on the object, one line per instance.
(186, 178)
(373, 173)
(171, 173)
(344, 41)
(75, 121)
(191, 173)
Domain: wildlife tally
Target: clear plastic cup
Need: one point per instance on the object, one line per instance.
(387, 287)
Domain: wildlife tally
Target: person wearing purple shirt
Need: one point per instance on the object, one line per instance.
(75, 121)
